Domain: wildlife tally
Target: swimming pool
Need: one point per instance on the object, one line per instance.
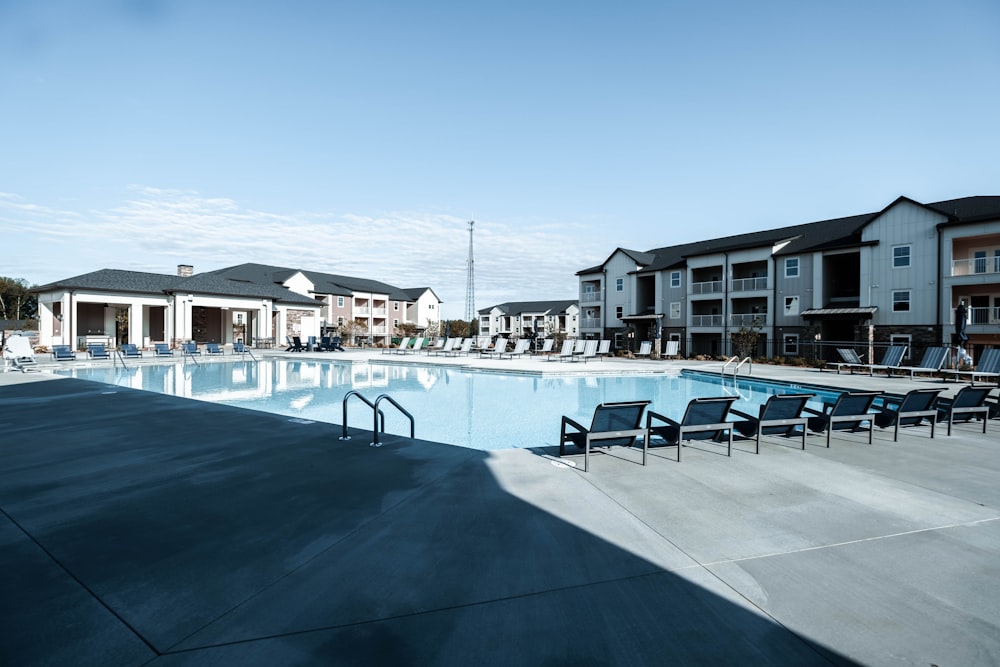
(473, 409)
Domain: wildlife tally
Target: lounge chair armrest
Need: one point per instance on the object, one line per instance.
(740, 413)
(650, 416)
(812, 411)
(566, 421)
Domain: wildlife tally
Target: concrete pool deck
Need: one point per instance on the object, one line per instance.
(141, 529)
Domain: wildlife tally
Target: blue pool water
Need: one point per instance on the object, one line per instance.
(466, 408)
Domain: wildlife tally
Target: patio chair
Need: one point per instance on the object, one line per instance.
(704, 419)
(97, 351)
(418, 344)
(589, 352)
(63, 353)
(848, 359)
(547, 346)
(18, 351)
(130, 351)
(969, 403)
(520, 349)
(613, 424)
(934, 358)
(910, 410)
(565, 353)
(782, 414)
(162, 350)
(987, 368)
(190, 348)
(645, 349)
(240, 348)
(465, 348)
(213, 348)
(499, 347)
(446, 349)
(848, 413)
(604, 348)
(673, 349)
(295, 345)
(403, 344)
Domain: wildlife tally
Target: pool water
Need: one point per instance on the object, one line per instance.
(472, 409)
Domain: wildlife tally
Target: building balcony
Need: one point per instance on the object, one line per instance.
(380, 312)
(748, 319)
(976, 266)
(591, 296)
(706, 320)
(985, 315)
(362, 310)
(749, 284)
(379, 331)
(590, 323)
(712, 287)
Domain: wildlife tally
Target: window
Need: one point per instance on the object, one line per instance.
(619, 311)
(340, 302)
(901, 301)
(979, 262)
(430, 306)
(791, 267)
(395, 305)
(901, 257)
(395, 323)
(791, 305)
(901, 339)
(619, 284)
(675, 310)
(790, 345)
(675, 278)
(340, 321)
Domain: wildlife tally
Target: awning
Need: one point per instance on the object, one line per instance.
(641, 318)
(865, 313)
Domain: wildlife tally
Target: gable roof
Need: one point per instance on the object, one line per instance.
(415, 293)
(323, 283)
(139, 282)
(519, 307)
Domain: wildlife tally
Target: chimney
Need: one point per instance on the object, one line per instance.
(185, 270)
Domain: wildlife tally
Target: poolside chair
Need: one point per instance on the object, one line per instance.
(18, 352)
(97, 351)
(704, 419)
(987, 368)
(782, 414)
(336, 344)
(613, 424)
(589, 352)
(969, 403)
(546, 346)
(673, 349)
(910, 410)
(466, 348)
(604, 348)
(499, 347)
(162, 350)
(63, 353)
(403, 344)
(446, 349)
(934, 358)
(520, 349)
(418, 344)
(130, 351)
(240, 348)
(849, 412)
(565, 353)
(645, 349)
(295, 345)
(848, 359)
(213, 348)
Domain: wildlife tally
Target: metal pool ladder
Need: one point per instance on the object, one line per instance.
(378, 425)
(736, 368)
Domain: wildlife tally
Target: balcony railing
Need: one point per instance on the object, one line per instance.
(379, 331)
(749, 284)
(985, 315)
(747, 319)
(975, 266)
(590, 323)
(590, 296)
(713, 287)
(706, 320)
(379, 312)
(362, 310)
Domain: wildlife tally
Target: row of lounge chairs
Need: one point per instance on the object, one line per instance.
(787, 415)
(932, 363)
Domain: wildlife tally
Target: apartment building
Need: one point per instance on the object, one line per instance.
(895, 275)
(543, 319)
(423, 307)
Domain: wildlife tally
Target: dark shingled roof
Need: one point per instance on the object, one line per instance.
(415, 293)
(325, 283)
(138, 282)
(517, 307)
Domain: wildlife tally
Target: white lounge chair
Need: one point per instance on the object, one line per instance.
(547, 346)
(520, 348)
(445, 349)
(499, 347)
(645, 349)
(19, 353)
(589, 351)
(403, 344)
(604, 348)
(673, 349)
(465, 348)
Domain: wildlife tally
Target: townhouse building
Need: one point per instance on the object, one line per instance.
(423, 307)
(895, 275)
(542, 319)
(252, 303)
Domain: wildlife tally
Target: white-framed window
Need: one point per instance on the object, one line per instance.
(619, 284)
(791, 305)
(675, 310)
(619, 311)
(430, 306)
(395, 305)
(340, 321)
(790, 345)
(340, 302)
(395, 323)
(791, 267)
(902, 339)
(900, 256)
(901, 301)
(675, 278)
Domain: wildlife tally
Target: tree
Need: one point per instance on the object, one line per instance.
(16, 302)
(745, 339)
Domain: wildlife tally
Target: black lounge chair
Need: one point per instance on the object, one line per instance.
(613, 424)
(849, 412)
(704, 419)
(988, 368)
(967, 404)
(295, 345)
(780, 415)
(910, 410)
(933, 360)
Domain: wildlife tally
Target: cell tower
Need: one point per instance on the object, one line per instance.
(470, 281)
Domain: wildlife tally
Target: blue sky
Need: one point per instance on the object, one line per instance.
(360, 138)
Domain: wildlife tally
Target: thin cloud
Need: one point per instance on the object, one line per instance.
(155, 229)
